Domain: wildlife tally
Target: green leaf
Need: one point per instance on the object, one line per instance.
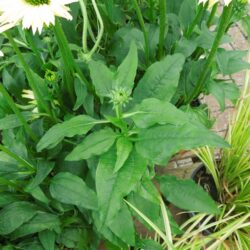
(123, 149)
(126, 72)
(186, 194)
(106, 80)
(126, 232)
(159, 143)
(31, 244)
(153, 111)
(9, 247)
(81, 93)
(245, 21)
(102, 78)
(39, 195)
(161, 79)
(7, 198)
(71, 189)
(153, 211)
(185, 47)
(206, 38)
(40, 222)
(96, 143)
(43, 170)
(189, 77)
(11, 171)
(120, 123)
(14, 215)
(78, 125)
(222, 90)
(47, 239)
(147, 244)
(199, 115)
(12, 121)
(112, 187)
(154, 31)
(174, 6)
(122, 40)
(107, 233)
(187, 12)
(74, 238)
(230, 61)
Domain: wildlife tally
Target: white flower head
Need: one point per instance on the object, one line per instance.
(32, 13)
(1, 53)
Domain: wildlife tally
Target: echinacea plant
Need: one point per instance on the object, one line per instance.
(89, 107)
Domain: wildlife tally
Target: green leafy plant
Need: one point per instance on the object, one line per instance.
(89, 107)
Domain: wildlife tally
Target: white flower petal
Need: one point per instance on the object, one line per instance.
(35, 17)
(227, 2)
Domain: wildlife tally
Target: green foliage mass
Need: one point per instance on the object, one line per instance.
(82, 129)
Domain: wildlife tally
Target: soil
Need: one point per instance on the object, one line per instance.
(205, 180)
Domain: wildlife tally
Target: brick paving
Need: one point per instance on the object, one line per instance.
(182, 165)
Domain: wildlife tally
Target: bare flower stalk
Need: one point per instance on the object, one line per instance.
(87, 28)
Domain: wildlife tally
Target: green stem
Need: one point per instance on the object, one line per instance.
(100, 31)
(163, 26)
(118, 111)
(33, 46)
(85, 26)
(145, 33)
(225, 19)
(212, 15)
(19, 159)
(67, 59)
(19, 115)
(151, 11)
(39, 97)
(197, 19)
(198, 52)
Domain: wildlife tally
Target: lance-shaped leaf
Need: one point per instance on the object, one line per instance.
(102, 78)
(186, 194)
(43, 170)
(230, 61)
(40, 222)
(14, 215)
(123, 149)
(78, 125)
(159, 143)
(12, 121)
(112, 187)
(107, 233)
(161, 79)
(222, 91)
(126, 232)
(71, 189)
(153, 111)
(47, 238)
(96, 143)
(105, 80)
(126, 72)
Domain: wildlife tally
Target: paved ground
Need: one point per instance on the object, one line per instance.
(183, 164)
